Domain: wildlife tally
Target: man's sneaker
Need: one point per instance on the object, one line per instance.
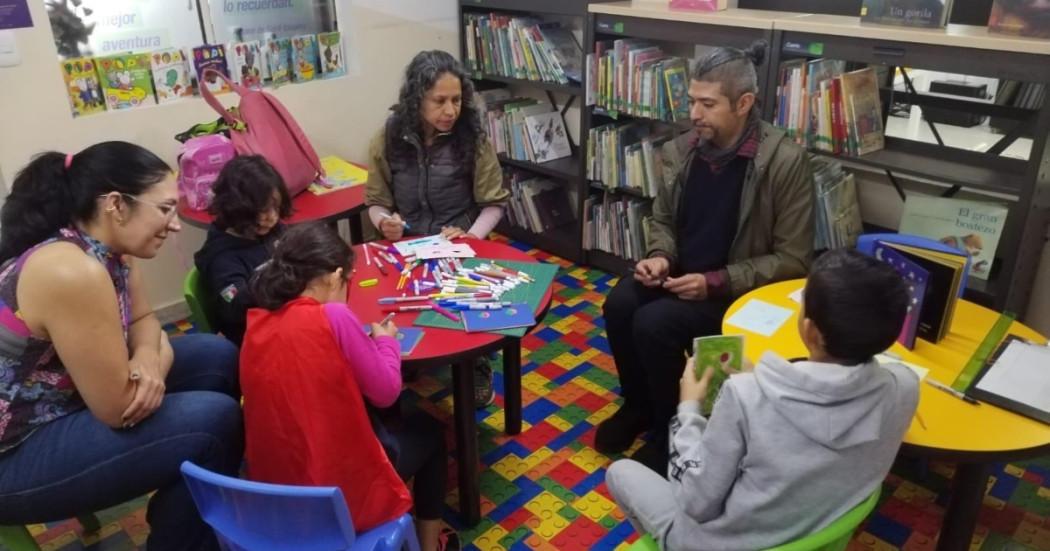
(618, 432)
(448, 540)
(483, 391)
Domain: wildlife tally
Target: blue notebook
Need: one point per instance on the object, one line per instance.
(407, 337)
(513, 316)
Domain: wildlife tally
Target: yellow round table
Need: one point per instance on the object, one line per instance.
(973, 436)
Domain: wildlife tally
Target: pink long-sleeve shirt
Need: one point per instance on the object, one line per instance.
(376, 363)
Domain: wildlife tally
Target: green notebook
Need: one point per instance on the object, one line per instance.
(724, 353)
(529, 293)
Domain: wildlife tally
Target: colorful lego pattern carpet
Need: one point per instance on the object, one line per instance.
(544, 488)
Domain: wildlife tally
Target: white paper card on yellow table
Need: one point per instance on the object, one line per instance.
(759, 316)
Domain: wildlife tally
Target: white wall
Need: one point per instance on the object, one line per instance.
(339, 115)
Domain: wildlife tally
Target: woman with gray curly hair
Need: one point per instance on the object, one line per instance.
(431, 168)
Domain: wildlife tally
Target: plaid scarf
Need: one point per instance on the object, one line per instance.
(746, 146)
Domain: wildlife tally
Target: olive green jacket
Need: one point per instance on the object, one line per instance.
(774, 239)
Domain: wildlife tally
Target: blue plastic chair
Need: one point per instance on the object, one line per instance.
(866, 245)
(253, 516)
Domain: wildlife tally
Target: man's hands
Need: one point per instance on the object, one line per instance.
(651, 272)
(688, 286)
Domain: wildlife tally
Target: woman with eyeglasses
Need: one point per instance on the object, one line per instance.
(97, 406)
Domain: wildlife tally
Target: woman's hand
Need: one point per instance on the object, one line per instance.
(147, 371)
(452, 232)
(392, 227)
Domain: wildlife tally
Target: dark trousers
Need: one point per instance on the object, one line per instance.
(649, 331)
(422, 456)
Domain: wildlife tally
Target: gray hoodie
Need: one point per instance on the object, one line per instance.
(789, 449)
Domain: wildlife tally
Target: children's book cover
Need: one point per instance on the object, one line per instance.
(917, 279)
(725, 355)
(171, 75)
(973, 227)
(330, 46)
(677, 83)
(515, 315)
(126, 80)
(864, 109)
(211, 57)
(85, 92)
(304, 58)
(246, 63)
(907, 13)
(547, 137)
(1020, 17)
(942, 288)
(407, 337)
(280, 58)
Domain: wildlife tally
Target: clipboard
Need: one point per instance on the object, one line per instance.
(983, 395)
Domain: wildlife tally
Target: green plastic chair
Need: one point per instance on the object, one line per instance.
(197, 299)
(834, 537)
(18, 538)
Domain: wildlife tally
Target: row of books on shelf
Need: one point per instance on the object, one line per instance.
(638, 78)
(826, 108)
(524, 129)
(132, 80)
(526, 48)
(635, 156)
(537, 204)
(617, 225)
(838, 219)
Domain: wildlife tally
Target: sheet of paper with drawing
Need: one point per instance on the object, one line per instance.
(410, 246)
(759, 316)
(1018, 379)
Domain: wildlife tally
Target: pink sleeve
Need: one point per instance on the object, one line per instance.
(487, 220)
(375, 214)
(376, 363)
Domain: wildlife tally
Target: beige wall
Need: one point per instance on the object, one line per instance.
(339, 115)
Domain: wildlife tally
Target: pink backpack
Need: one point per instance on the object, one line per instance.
(201, 161)
(270, 131)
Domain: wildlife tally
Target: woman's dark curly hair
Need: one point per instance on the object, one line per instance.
(244, 190)
(420, 76)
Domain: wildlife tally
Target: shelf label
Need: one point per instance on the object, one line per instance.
(804, 48)
(614, 27)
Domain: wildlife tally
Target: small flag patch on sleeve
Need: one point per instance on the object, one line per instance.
(228, 293)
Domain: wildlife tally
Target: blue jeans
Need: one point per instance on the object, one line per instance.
(76, 464)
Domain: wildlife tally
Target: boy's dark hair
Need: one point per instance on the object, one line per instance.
(243, 190)
(55, 190)
(304, 252)
(733, 68)
(857, 302)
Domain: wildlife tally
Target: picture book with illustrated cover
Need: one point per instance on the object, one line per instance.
(860, 94)
(1020, 17)
(942, 288)
(304, 58)
(211, 57)
(676, 79)
(907, 13)
(547, 137)
(515, 315)
(126, 80)
(279, 57)
(82, 85)
(973, 227)
(917, 279)
(725, 355)
(171, 75)
(330, 48)
(407, 337)
(246, 60)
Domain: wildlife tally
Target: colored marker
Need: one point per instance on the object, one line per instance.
(368, 257)
(387, 319)
(403, 223)
(379, 265)
(413, 308)
(393, 300)
(368, 282)
(444, 312)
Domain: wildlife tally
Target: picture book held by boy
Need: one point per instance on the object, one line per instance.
(304, 58)
(211, 57)
(908, 13)
(330, 47)
(725, 355)
(171, 75)
(85, 92)
(973, 227)
(279, 56)
(246, 61)
(917, 279)
(1021, 17)
(126, 80)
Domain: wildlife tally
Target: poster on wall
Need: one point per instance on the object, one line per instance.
(247, 20)
(14, 14)
(107, 27)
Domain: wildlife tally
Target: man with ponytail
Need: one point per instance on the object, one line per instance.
(97, 406)
(738, 216)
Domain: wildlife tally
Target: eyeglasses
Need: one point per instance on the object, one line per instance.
(166, 210)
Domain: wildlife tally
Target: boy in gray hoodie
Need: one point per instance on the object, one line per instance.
(791, 446)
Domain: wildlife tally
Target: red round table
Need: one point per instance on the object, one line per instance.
(306, 207)
(440, 347)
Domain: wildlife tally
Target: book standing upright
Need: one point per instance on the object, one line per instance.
(171, 75)
(82, 86)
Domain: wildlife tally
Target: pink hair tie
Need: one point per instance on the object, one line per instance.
(69, 160)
